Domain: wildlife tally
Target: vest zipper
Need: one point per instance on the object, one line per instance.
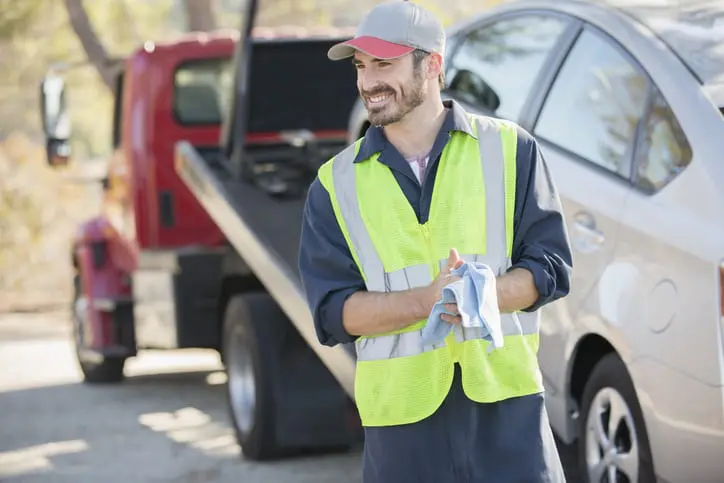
(426, 235)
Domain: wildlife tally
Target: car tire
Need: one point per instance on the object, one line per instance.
(96, 368)
(623, 447)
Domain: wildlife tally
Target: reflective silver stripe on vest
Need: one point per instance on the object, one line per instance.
(491, 156)
(408, 277)
(343, 177)
(409, 343)
(390, 346)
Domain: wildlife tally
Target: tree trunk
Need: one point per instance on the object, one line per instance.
(200, 15)
(92, 45)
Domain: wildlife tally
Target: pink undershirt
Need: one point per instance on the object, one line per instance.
(419, 166)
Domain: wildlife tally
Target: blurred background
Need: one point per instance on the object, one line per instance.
(634, 143)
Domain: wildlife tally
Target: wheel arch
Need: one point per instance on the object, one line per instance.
(589, 350)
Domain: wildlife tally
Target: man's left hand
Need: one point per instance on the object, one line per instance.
(452, 319)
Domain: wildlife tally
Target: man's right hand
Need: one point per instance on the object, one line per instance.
(444, 278)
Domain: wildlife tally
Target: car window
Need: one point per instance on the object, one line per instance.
(663, 150)
(496, 65)
(595, 104)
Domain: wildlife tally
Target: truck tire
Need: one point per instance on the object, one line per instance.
(282, 400)
(609, 393)
(95, 367)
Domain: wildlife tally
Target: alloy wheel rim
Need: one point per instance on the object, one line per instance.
(612, 448)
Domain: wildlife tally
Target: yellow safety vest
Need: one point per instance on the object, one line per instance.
(398, 381)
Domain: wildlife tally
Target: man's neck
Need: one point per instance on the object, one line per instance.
(415, 135)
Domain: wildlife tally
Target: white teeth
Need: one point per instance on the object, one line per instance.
(378, 98)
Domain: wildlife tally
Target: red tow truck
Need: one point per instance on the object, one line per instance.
(216, 140)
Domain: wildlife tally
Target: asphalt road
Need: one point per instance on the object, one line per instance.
(166, 423)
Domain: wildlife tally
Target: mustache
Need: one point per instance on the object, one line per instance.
(378, 90)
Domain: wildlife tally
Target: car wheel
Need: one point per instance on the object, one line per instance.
(614, 446)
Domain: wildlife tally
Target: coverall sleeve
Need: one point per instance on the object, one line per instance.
(328, 271)
(540, 239)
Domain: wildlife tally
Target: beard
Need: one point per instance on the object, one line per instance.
(399, 104)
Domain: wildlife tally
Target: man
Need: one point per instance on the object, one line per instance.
(428, 187)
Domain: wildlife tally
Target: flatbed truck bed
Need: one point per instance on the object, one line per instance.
(265, 231)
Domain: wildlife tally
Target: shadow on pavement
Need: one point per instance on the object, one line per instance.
(170, 427)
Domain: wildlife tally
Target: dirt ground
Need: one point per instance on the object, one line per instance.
(166, 423)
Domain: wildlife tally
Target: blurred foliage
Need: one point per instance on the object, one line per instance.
(35, 35)
(16, 16)
(39, 210)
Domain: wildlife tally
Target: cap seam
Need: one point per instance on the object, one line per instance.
(409, 26)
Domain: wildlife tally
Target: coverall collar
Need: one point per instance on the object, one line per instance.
(374, 141)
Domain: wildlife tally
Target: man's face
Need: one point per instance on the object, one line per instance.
(390, 89)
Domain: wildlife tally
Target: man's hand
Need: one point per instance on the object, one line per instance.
(371, 313)
(515, 291)
(444, 278)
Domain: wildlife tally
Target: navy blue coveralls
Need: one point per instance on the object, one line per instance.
(464, 441)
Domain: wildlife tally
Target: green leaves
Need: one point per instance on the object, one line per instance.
(16, 16)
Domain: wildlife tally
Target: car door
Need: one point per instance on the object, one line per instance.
(494, 67)
(669, 314)
(587, 128)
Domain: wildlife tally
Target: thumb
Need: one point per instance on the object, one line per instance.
(454, 260)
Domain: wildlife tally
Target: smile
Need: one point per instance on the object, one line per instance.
(378, 99)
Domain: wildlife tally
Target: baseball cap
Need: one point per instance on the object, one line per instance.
(392, 29)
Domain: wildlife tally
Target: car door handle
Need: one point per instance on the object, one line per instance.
(585, 227)
(591, 234)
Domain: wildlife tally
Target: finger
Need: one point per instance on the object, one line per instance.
(454, 260)
(452, 308)
(452, 319)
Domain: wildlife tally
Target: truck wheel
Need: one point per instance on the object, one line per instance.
(251, 360)
(282, 400)
(614, 445)
(95, 367)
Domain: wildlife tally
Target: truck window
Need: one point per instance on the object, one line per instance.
(201, 89)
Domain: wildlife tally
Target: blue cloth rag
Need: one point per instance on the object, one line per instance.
(477, 300)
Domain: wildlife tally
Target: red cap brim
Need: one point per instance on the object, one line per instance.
(373, 46)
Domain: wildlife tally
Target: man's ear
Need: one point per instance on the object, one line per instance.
(434, 65)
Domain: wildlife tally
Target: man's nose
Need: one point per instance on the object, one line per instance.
(367, 80)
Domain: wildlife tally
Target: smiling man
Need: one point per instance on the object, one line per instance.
(428, 188)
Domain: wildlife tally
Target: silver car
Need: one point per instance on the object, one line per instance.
(627, 102)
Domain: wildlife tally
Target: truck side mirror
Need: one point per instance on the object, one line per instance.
(55, 120)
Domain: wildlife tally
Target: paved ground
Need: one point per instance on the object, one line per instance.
(165, 423)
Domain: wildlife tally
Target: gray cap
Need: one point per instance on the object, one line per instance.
(392, 29)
